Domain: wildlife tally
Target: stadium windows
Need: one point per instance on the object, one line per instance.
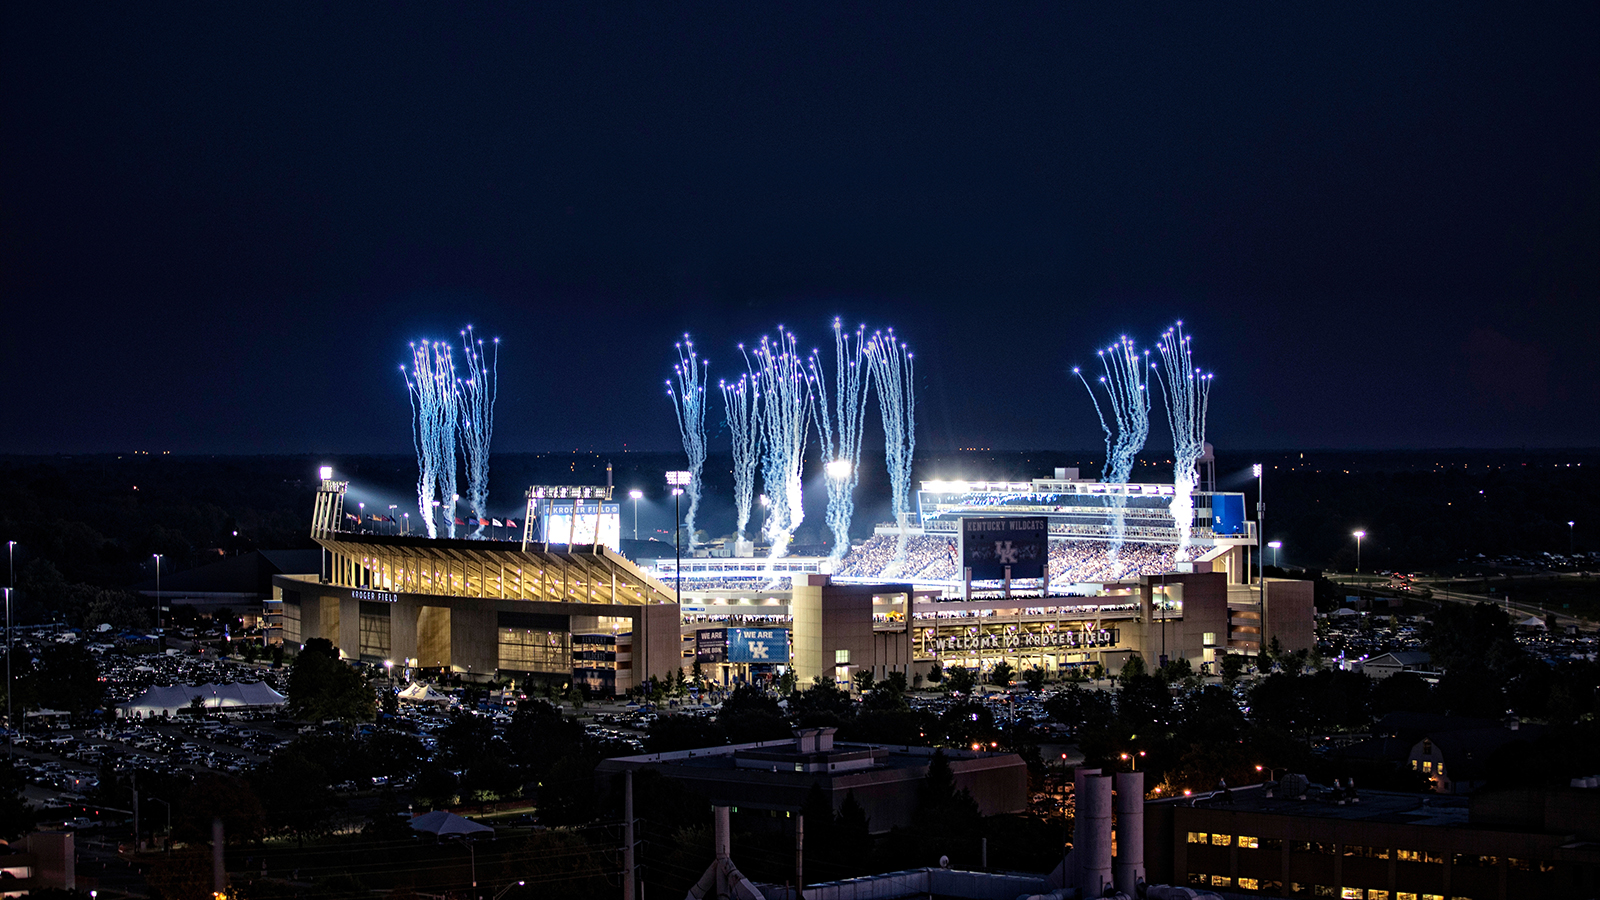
(1249, 884)
(1199, 837)
(1221, 840)
(841, 657)
(1247, 842)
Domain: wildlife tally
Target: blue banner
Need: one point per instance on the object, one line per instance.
(758, 645)
(1227, 514)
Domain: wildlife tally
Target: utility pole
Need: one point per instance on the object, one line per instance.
(627, 835)
(799, 856)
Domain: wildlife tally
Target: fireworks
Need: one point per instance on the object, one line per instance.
(1124, 382)
(435, 404)
(787, 405)
(1186, 391)
(742, 400)
(892, 378)
(842, 444)
(477, 395)
(689, 403)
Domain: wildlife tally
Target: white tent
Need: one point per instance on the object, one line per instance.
(1533, 623)
(418, 692)
(170, 700)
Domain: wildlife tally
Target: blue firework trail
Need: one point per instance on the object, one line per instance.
(1186, 392)
(1125, 383)
(742, 402)
(842, 422)
(893, 380)
(787, 405)
(431, 384)
(689, 403)
(477, 395)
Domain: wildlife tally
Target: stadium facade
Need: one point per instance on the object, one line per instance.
(1116, 587)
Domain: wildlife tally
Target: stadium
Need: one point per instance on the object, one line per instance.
(584, 614)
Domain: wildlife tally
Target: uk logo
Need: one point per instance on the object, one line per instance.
(758, 649)
(1005, 552)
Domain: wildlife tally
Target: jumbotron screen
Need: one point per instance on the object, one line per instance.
(559, 527)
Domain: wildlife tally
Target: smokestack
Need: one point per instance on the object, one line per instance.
(724, 843)
(1092, 835)
(219, 875)
(1080, 778)
(1129, 869)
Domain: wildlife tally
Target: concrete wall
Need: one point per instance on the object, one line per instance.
(829, 618)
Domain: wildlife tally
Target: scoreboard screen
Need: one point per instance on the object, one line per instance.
(990, 545)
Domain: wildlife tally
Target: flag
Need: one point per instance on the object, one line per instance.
(496, 523)
(461, 521)
(352, 517)
(511, 523)
(483, 521)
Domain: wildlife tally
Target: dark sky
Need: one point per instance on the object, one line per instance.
(222, 223)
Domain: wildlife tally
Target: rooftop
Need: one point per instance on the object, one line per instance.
(1390, 807)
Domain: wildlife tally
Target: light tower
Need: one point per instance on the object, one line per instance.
(635, 496)
(676, 480)
(1358, 534)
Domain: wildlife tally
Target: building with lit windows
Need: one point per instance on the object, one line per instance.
(1297, 840)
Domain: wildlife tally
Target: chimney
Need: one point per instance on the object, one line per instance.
(1129, 870)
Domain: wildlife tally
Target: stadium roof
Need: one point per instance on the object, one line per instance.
(456, 567)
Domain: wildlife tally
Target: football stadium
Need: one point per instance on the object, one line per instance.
(1057, 573)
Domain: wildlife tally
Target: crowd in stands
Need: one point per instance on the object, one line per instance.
(933, 558)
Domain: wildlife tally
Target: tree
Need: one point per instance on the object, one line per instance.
(16, 816)
(681, 732)
(1131, 669)
(1034, 677)
(296, 793)
(863, 680)
(322, 687)
(960, 680)
(1000, 675)
(935, 672)
(1233, 665)
(68, 678)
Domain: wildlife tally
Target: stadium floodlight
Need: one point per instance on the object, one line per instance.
(839, 469)
(678, 477)
(1358, 535)
(1275, 546)
(325, 473)
(635, 496)
(1255, 471)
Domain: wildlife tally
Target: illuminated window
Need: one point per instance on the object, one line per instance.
(841, 657)
(1405, 895)
(1378, 852)
(1427, 765)
(1351, 894)
(1323, 890)
(1248, 842)
(1221, 840)
(1250, 884)
(1208, 639)
(1408, 855)
(1198, 837)
(1197, 878)
(1221, 881)
(1376, 894)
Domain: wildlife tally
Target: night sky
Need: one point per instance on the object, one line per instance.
(221, 224)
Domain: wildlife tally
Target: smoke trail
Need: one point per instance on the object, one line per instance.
(689, 403)
(842, 447)
(893, 378)
(1125, 382)
(742, 400)
(787, 405)
(477, 422)
(432, 387)
(1186, 392)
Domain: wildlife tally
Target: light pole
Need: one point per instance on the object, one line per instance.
(1261, 557)
(677, 479)
(502, 892)
(392, 526)
(408, 523)
(1358, 536)
(1275, 546)
(1572, 544)
(361, 509)
(11, 556)
(635, 495)
(158, 594)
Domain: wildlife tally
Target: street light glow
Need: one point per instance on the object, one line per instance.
(1255, 471)
(636, 494)
(1275, 545)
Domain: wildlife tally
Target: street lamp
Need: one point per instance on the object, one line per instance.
(502, 892)
(1275, 546)
(361, 509)
(1358, 536)
(408, 523)
(676, 480)
(158, 594)
(1572, 545)
(635, 496)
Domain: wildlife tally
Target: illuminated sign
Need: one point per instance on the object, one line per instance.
(1026, 640)
(992, 546)
(377, 596)
(758, 645)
